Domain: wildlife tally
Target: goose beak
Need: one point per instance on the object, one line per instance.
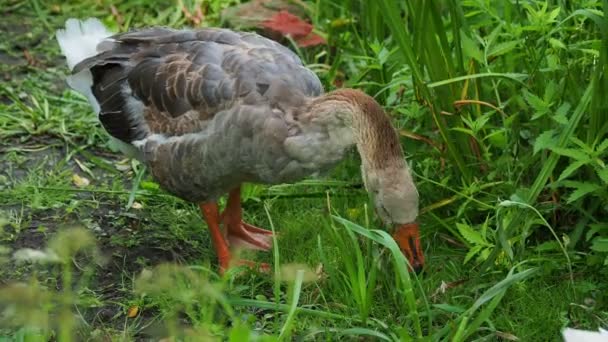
(407, 237)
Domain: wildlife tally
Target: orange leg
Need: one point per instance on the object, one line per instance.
(211, 214)
(239, 233)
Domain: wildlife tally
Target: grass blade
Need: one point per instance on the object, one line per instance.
(295, 298)
(400, 263)
(496, 291)
(404, 41)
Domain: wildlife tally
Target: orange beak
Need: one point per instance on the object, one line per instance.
(407, 237)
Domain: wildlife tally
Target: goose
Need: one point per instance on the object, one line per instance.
(209, 109)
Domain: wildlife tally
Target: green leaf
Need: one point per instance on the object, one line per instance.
(582, 145)
(594, 228)
(556, 44)
(240, 333)
(493, 36)
(470, 235)
(472, 252)
(383, 56)
(603, 146)
(463, 130)
(603, 174)
(561, 116)
(545, 140)
(600, 244)
(497, 138)
(571, 169)
(581, 189)
(571, 153)
(554, 14)
(547, 246)
(550, 91)
(502, 48)
(471, 48)
(540, 107)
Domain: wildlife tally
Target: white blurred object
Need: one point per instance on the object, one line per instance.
(575, 335)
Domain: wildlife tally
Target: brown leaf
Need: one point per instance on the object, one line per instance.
(288, 24)
(312, 39)
(251, 14)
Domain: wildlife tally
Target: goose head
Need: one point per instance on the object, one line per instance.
(385, 173)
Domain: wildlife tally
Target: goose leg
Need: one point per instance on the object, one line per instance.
(211, 214)
(239, 233)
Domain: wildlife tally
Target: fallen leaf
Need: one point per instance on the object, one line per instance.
(278, 19)
(312, 39)
(288, 24)
(251, 14)
(80, 182)
(132, 311)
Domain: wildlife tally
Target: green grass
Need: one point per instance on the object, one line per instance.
(504, 118)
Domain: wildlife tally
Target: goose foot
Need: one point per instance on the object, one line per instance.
(225, 257)
(241, 234)
(246, 236)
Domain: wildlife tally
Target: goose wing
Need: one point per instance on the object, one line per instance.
(171, 82)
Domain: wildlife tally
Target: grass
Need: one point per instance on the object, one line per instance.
(504, 120)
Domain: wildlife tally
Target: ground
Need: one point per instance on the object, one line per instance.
(62, 183)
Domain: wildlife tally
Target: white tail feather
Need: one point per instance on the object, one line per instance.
(78, 41)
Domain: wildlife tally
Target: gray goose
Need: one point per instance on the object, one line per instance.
(210, 109)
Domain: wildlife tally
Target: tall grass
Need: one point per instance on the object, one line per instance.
(502, 105)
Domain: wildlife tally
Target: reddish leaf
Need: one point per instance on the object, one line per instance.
(288, 25)
(252, 13)
(312, 39)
